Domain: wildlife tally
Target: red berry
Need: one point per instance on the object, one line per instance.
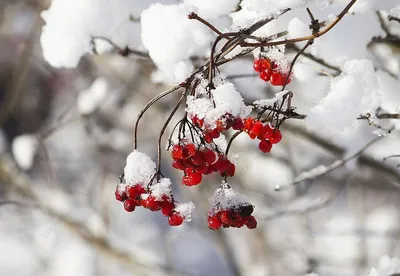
(195, 178)
(129, 205)
(251, 223)
(214, 223)
(266, 133)
(248, 124)
(215, 133)
(134, 191)
(265, 75)
(201, 169)
(209, 156)
(178, 164)
(197, 159)
(257, 65)
(265, 64)
(265, 146)
(189, 151)
(175, 219)
(151, 203)
(167, 208)
(220, 126)
(177, 152)
(276, 136)
(230, 171)
(120, 196)
(208, 137)
(238, 124)
(225, 217)
(256, 129)
(277, 79)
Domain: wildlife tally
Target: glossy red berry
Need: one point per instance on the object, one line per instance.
(178, 164)
(167, 208)
(256, 129)
(257, 65)
(248, 124)
(195, 178)
(265, 75)
(276, 136)
(175, 219)
(277, 79)
(177, 152)
(266, 132)
(209, 156)
(266, 64)
(265, 146)
(129, 205)
(151, 203)
(225, 217)
(120, 196)
(214, 223)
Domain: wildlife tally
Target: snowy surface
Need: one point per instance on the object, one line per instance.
(90, 99)
(139, 168)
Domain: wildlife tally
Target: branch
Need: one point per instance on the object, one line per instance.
(322, 170)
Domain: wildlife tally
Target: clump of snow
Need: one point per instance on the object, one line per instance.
(139, 168)
(277, 55)
(24, 148)
(255, 10)
(226, 198)
(218, 8)
(163, 187)
(353, 93)
(298, 28)
(90, 99)
(386, 266)
(69, 26)
(269, 102)
(171, 38)
(185, 210)
(225, 97)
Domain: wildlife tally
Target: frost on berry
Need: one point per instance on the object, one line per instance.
(139, 168)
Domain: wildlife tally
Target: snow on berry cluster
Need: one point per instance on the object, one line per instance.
(273, 66)
(197, 161)
(138, 189)
(229, 208)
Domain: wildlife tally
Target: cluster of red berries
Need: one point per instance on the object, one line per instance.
(269, 71)
(223, 124)
(267, 134)
(197, 162)
(137, 195)
(233, 218)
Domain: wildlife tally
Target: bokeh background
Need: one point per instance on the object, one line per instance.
(59, 167)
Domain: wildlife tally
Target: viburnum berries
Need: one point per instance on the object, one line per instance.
(198, 161)
(156, 197)
(230, 209)
(269, 71)
(267, 134)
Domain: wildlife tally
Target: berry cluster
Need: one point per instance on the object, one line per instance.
(137, 195)
(233, 218)
(269, 71)
(196, 162)
(223, 124)
(229, 208)
(267, 134)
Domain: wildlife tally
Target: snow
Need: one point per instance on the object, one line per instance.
(163, 187)
(70, 25)
(227, 100)
(270, 102)
(226, 198)
(353, 93)
(297, 28)
(387, 266)
(177, 40)
(90, 99)
(185, 210)
(24, 148)
(139, 168)
(218, 8)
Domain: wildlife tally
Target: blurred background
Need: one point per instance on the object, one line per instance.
(64, 138)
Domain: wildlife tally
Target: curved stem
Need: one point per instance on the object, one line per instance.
(147, 106)
(231, 140)
(165, 126)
